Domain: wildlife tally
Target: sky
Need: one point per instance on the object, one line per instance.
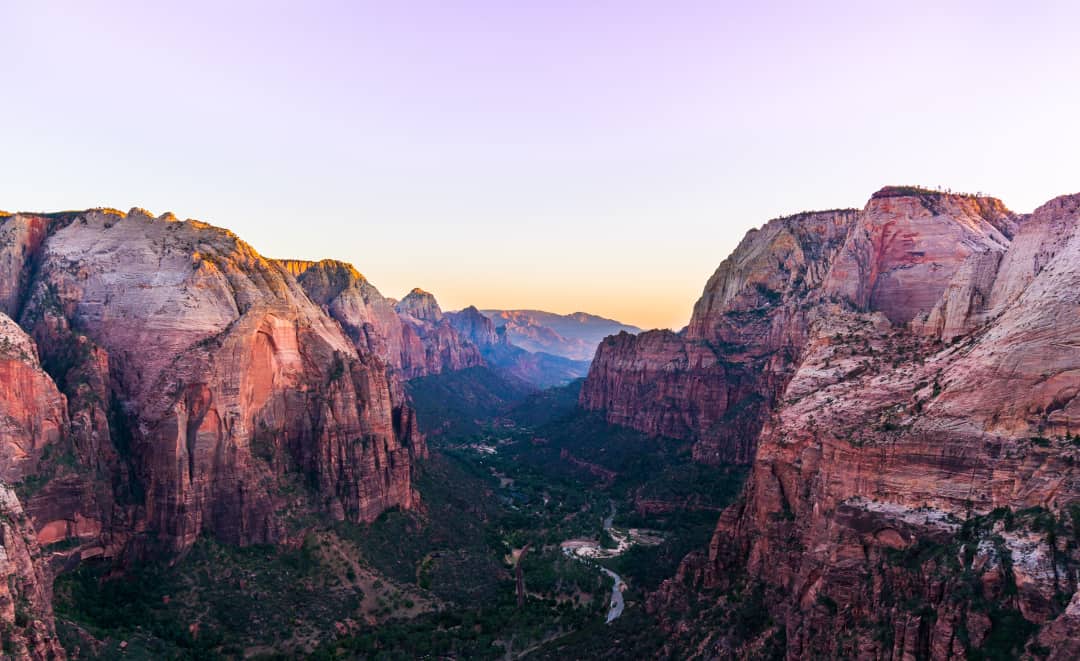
(594, 156)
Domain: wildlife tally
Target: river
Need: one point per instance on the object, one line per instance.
(581, 550)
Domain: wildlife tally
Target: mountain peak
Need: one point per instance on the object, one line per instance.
(421, 305)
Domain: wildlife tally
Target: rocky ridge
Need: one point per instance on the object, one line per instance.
(417, 336)
(572, 336)
(411, 334)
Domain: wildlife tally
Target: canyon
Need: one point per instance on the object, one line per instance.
(900, 385)
(164, 383)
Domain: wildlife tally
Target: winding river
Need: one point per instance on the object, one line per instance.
(584, 550)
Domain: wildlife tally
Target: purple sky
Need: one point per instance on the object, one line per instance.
(559, 155)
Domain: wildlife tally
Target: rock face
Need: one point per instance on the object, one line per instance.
(428, 333)
(908, 244)
(166, 381)
(913, 493)
(29, 630)
(368, 318)
(415, 335)
(412, 335)
(225, 379)
(33, 413)
(476, 328)
(715, 382)
(573, 336)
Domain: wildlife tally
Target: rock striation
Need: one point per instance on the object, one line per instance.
(165, 381)
(430, 334)
(29, 629)
(33, 413)
(413, 334)
(209, 367)
(714, 382)
(913, 491)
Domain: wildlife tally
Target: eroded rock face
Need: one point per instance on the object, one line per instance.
(412, 335)
(420, 305)
(201, 375)
(366, 316)
(907, 244)
(431, 342)
(715, 382)
(166, 381)
(33, 413)
(20, 238)
(29, 630)
(920, 495)
(476, 328)
(913, 255)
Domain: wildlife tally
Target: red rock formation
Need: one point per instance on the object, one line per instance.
(428, 333)
(368, 318)
(33, 413)
(416, 337)
(33, 424)
(29, 630)
(910, 498)
(225, 383)
(907, 245)
(714, 382)
(185, 386)
(20, 237)
(413, 335)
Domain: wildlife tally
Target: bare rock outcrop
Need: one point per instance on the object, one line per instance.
(20, 238)
(430, 341)
(33, 413)
(914, 483)
(412, 335)
(26, 616)
(714, 382)
(908, 243)
(200, 375)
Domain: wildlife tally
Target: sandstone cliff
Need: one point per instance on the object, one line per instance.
(199, 380)
(33, 413)
(913, 492)
(413, 336)
(26, 618)
(428, 333)
(715, 382)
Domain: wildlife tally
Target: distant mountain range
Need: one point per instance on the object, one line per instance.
(573, 336)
